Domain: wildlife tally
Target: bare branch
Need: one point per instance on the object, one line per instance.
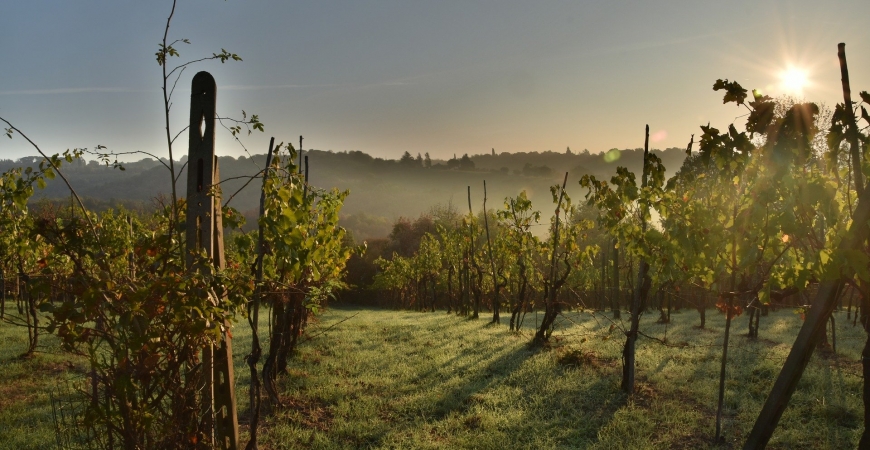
(181, 170)
(182, 66)
(65, 180)
(171, 91)
(179, 133)
(134, 152)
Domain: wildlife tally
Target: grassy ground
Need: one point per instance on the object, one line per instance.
(26, 387)
(385, 379)
(34, 390)
(388, 379)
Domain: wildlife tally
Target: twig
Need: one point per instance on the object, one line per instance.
(308, 338)
(65, 180)
(250, 179)
(116, 154)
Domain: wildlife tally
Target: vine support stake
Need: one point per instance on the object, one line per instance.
(2, 293)
(852, 134)
(808, 336)
(204, 230)
(495, 286)
(615, 295)
(638, 300)
(471, 254)
(300, 154)
(254, 311)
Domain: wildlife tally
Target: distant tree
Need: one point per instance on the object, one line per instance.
(453, 163)
(406, 235)
(427, 161)
(419, 160)
(445, 215)
(493, 152)
(536, 171)
(407, 159)
(568, 151)
(360, 156)
(466, 163)
(361, 269)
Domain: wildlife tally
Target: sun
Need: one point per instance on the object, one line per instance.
(793, 80)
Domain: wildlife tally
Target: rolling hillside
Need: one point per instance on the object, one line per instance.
(380, 190)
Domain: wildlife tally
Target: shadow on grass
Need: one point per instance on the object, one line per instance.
(459, 398)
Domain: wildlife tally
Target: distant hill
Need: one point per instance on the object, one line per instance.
(380, 190)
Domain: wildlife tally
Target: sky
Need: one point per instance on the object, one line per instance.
(444, 77)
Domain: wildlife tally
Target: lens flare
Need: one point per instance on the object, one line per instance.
(612, 155)
(793, 80)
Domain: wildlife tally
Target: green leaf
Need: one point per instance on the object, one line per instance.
(733, 91)
(858, 261)
(824, 256)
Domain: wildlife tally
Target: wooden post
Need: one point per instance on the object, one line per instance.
(602, 301)
(17, 293)
(300, 154)
(305, 186)
(614, 294)
(472, 262)
(808, 336)
(495, 286)
(2, 293)
(254, 311)
(851, 133)
(131, 267)
(638, 300)
(205, 233)
(728, 314)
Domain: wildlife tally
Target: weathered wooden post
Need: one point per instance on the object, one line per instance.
(2, 293)
(205, 233)
(131, 266)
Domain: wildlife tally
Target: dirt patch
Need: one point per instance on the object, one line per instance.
(11, 395)
(56, 368)
(838, 362)
(842, 416)
(693, 441)
(438, 435)
(646, 396)
(293, 373)
(41, 376)
(473, 422)
(826, 352)
(310, 413)
(760, 340)
(474, 399)
(388, 416)
(569, 357)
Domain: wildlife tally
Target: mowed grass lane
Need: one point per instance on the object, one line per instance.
(391, 379)
(394, 379)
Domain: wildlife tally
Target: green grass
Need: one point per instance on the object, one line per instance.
(27, 386)
(390, 379)
(386, 379)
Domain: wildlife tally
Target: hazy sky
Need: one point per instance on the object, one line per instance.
(442, 77)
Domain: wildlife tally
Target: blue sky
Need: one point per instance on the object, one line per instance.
(442, 77)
